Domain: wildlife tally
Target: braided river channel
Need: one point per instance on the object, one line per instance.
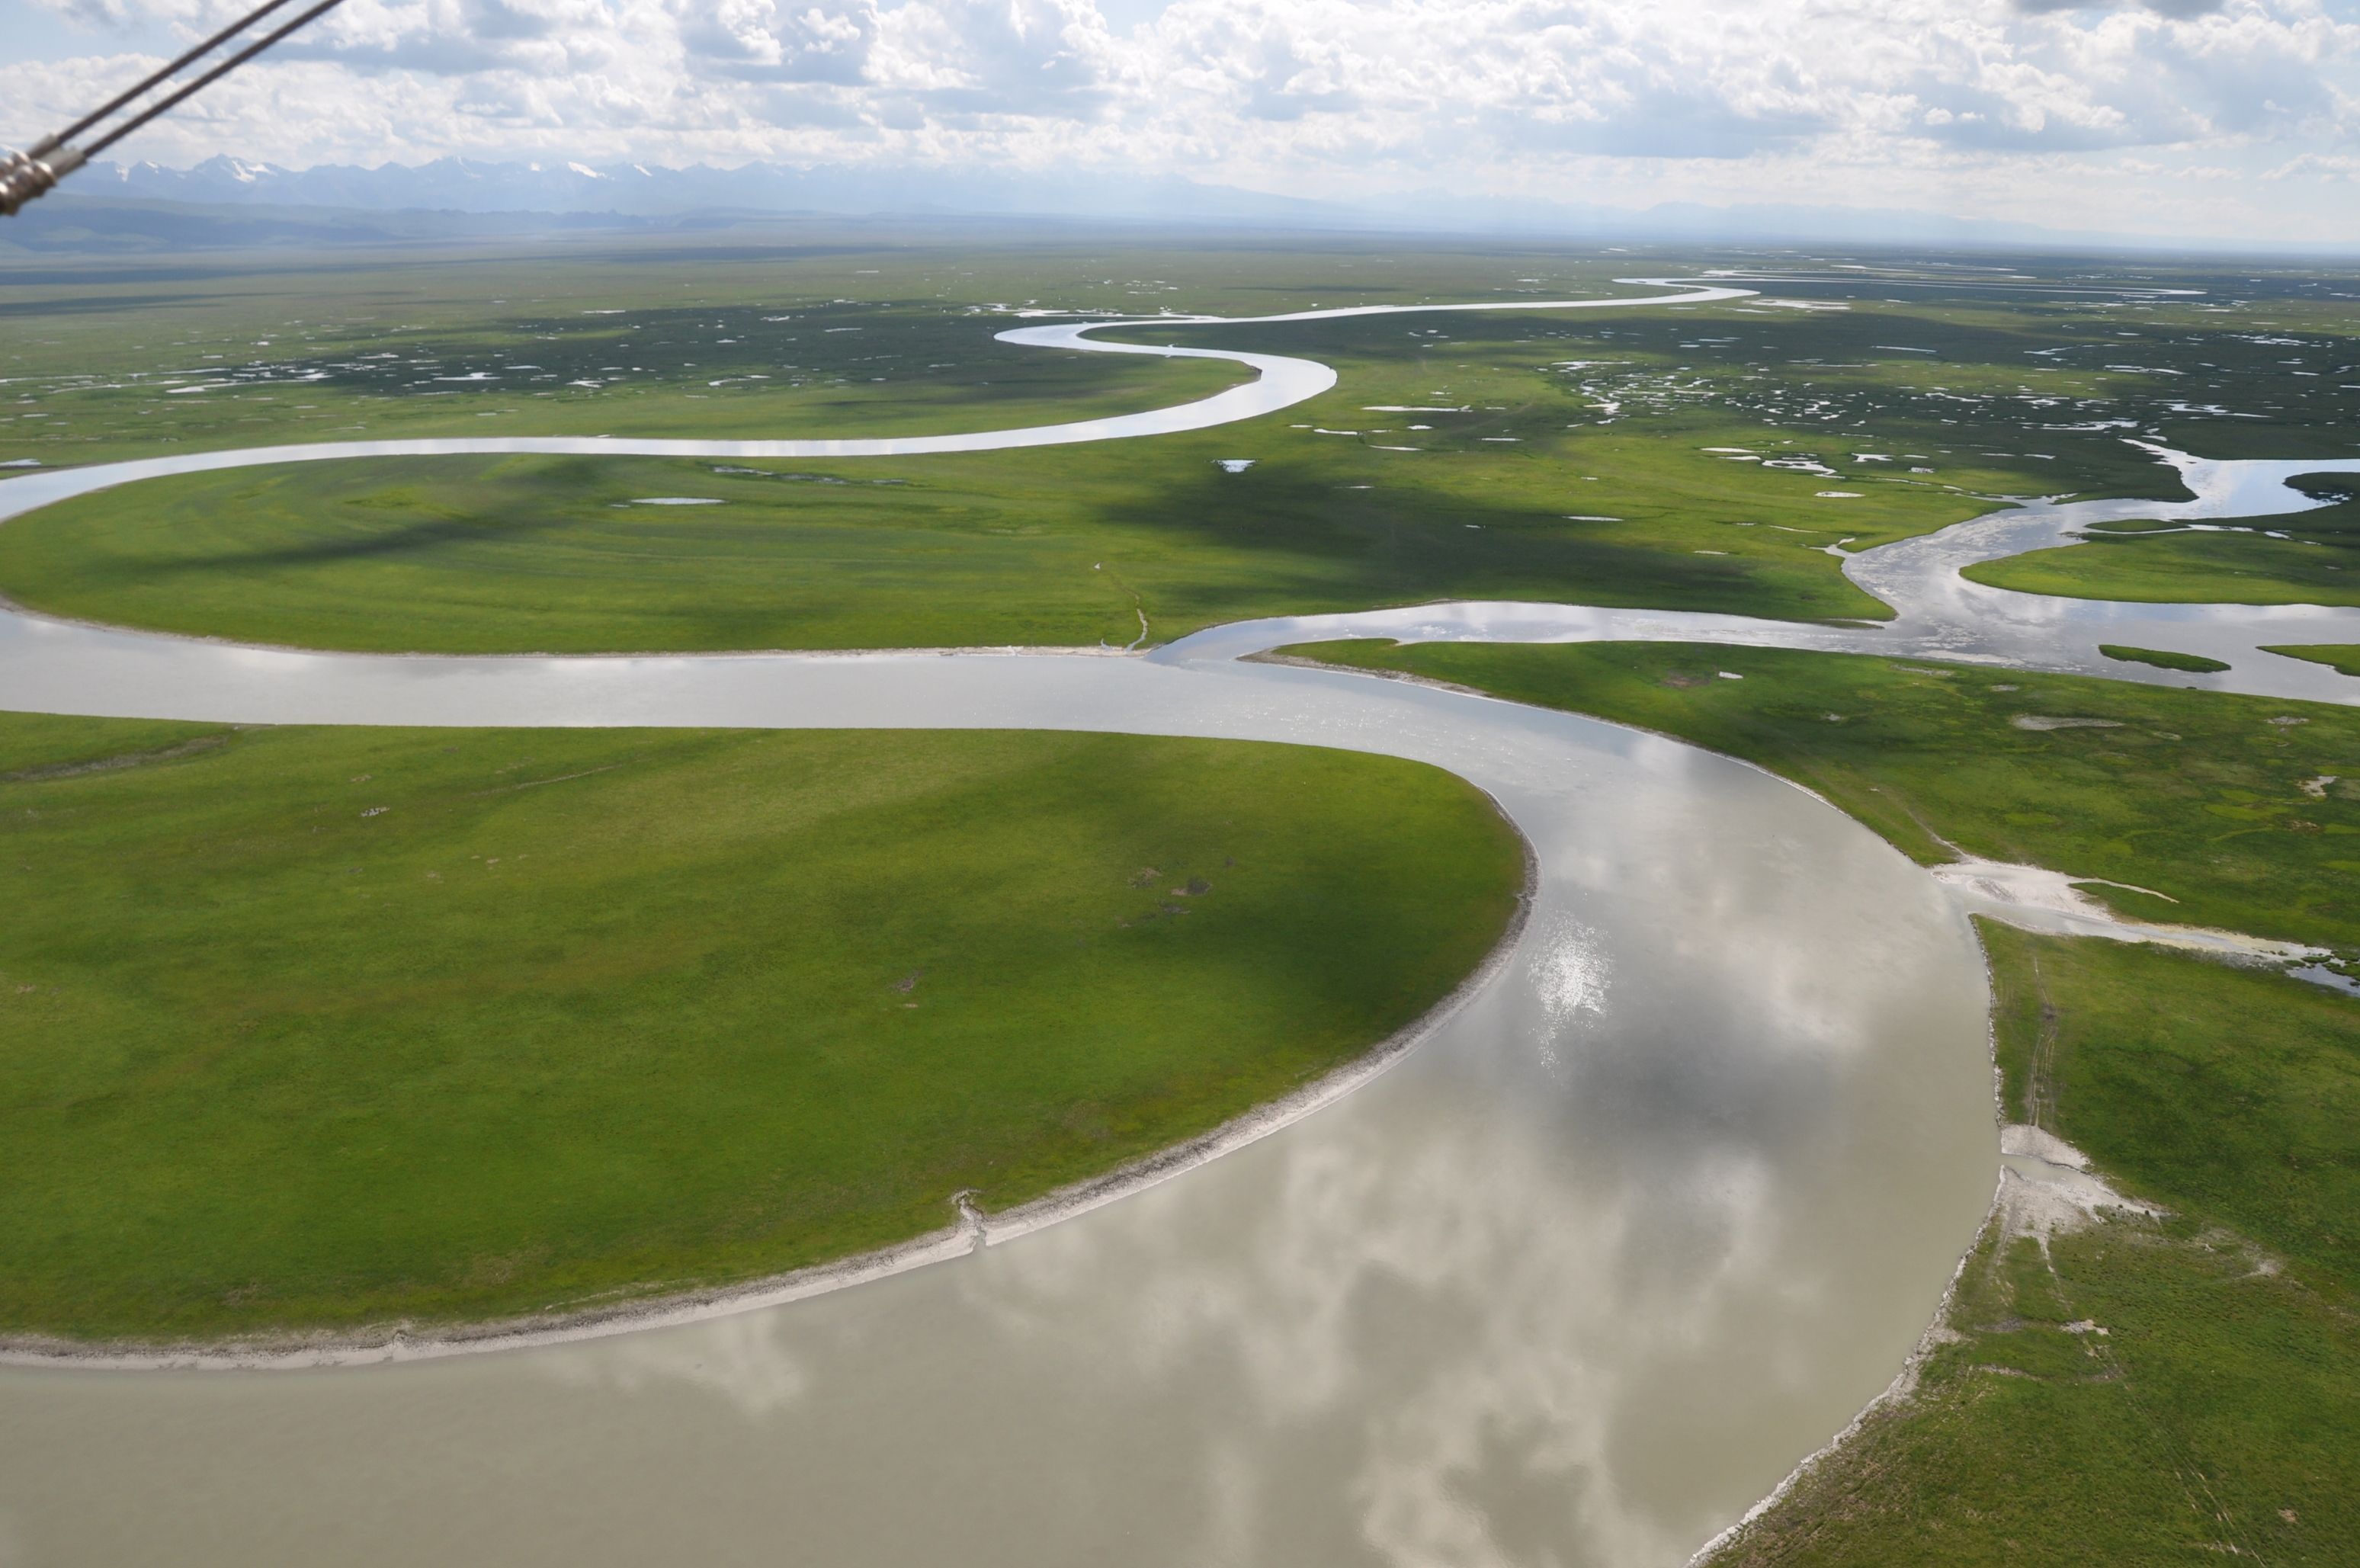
(1644, 1221)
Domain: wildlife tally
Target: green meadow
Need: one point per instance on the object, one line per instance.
(320, 1029)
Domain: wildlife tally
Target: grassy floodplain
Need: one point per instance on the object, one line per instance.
(2310, 557)
(2143, 1391)
(322, 1028)
(1693, 457)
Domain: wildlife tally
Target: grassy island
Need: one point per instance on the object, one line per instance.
(324, 1028)
(2162, 658)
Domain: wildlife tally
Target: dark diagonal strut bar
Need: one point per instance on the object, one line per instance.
(39, 168)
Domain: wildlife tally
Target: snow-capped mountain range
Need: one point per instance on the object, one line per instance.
(465, 185)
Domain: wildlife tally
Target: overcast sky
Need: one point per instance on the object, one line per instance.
(2230, 118)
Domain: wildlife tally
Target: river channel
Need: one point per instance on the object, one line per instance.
(1643, 1222)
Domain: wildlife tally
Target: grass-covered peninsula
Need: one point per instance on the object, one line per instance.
(2144, 1389)
(322, 1028)
(2307, 558)
(2342, 657)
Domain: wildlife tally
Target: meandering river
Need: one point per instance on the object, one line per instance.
(1641, 1224)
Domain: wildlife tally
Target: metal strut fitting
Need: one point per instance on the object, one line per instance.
(28, 175)
(34, 171)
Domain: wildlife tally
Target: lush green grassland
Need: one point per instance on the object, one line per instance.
(2219, 1410)
(2207, 798)
(2318, 563)
(324, 1026)
(2230, 1094)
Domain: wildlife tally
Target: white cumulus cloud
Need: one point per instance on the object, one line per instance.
(2003, 107)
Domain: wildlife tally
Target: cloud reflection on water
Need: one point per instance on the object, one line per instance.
(1502, 1307)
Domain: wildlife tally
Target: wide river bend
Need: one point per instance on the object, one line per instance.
(1643, 1222)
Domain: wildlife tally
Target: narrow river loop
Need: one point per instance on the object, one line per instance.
(1655, 1211)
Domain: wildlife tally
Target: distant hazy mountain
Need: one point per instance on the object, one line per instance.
(630, 193)
(463, 185)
